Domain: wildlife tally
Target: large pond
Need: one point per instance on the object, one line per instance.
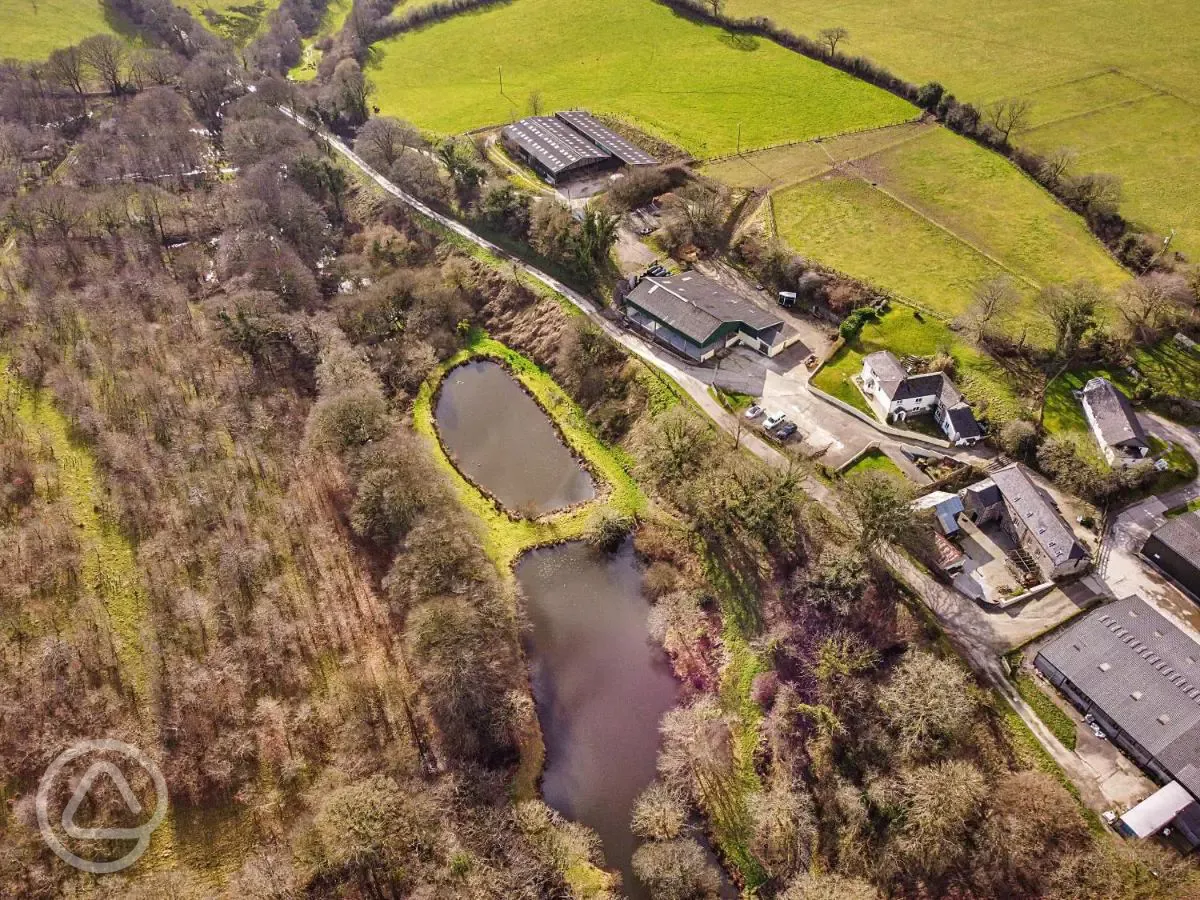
(503, 441)
(600, 685)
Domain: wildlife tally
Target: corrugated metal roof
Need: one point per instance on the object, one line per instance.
(554, 143)
(1144, 673)
(586, 124)
(696, 306)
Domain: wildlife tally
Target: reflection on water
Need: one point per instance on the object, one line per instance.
(601, 687)
(503, 441)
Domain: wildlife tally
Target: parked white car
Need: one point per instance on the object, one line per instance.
(754, 411)
(773, 419)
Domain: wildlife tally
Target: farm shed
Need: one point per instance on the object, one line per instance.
(1175, 548)
(696, 317)
(570, 144)
(1139, 676)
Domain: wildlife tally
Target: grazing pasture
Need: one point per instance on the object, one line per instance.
(32, 28)
(931, 215)
(689, 84)
(1116, 80)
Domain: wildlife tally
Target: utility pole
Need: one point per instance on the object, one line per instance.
(500, 69)
(739, 141)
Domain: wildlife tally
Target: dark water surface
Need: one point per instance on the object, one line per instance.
(503, 441)
(601, 687)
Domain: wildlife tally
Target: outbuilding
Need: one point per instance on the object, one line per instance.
(570, 144)
(1175, 548)
(1114, 424)
(696, 317)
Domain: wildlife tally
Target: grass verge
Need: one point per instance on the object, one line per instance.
(1059, 723)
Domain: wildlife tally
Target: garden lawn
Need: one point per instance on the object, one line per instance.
(32, 28)
(1078, 64)
(689, 84)
(978, 376)
(932, 216)
(874, 461)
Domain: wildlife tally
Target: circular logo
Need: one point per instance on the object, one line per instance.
(140, 834)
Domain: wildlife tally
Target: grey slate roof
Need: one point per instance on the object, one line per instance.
(888, 370)
(897, 384)
(696, 306)
(1030, 505)
(964, 421)
(554, 143)
(1182, 534)
(586, 124)
(1144, 673)
(1115, 419)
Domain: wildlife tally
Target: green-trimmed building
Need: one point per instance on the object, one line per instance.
(695, 316)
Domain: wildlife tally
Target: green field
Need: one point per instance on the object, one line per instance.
(689, 84)
(1119, 80)
(35, 27)
(238, 20)
(779, 167)
(931, 215)
(331, 23)
(978, 376)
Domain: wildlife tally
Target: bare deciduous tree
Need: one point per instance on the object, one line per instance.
(831, 37)
(1056, 163)
(66, 67)
(1152, 303)
(106, 55)
(990, 299)
(1009, 116)
(929, 702)
(383, 140)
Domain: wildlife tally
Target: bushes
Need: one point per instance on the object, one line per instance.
(641, 185)
(853, 323)
(607, 528)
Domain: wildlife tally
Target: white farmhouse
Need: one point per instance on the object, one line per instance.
(1114, 423)
(901, 395)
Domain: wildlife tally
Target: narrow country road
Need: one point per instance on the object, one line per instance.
(962, 620)
(696, 388)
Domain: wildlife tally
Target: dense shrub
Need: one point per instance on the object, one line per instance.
(854, 322)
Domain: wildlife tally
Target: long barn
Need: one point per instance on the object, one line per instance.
(570, 144)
